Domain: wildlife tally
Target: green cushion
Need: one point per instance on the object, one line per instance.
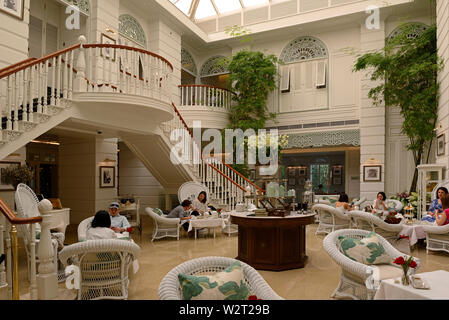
(226, 285)
(158, 211)
(367, 250)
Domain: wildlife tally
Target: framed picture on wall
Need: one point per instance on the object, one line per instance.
(107, 177)
(372, 173)
(13, 8)
(441, 145)
(4, 186)
(108, 53)
(302, 171)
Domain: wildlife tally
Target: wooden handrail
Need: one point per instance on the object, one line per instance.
(37, 61)
(118, 46)
(13, 219)
(203, 86)
(225, 164)
(15, 65)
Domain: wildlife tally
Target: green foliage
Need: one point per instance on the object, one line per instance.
(17, 174)
(407, 70)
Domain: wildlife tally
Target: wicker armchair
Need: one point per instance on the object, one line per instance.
(163, 226)
(103, 266)
(362, 281)
(83, 227)
(367, 221)
(330, 218)
(27, 207)
(169, 288)
(437, 237)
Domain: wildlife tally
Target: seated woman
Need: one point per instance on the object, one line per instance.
(436, 206)
(442, 218)
(101, 227)
(199, 205)
(379, 204)
(343, 202)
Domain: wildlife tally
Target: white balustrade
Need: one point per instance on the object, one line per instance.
(205, 96)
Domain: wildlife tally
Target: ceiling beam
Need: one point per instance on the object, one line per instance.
(215, 7)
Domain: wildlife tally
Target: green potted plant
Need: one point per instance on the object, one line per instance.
(17, 174)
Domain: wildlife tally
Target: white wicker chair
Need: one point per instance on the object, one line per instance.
(359, 202)
(362, 281)
(103, 266)
(368, 221)
(170, 289)
(27, 207)
(437, 237)
(83, 227)
(442, 184)
(163, 226)
(398, 206)
(330, 218)
(190, 191)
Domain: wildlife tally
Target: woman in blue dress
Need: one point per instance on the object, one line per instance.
(436, 206)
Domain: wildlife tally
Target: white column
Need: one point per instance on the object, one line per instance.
(372, 118)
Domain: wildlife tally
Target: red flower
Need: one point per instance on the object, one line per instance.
(399, 261)
(252, 298)
(130, 229)
(413, 264)
(403, 237)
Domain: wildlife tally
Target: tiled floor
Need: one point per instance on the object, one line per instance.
(316, 281)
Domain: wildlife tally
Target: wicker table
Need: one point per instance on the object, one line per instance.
(273, 243)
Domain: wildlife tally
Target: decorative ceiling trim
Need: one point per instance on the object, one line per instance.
(304, 48)
(187, 62)
(414, 30)
(214, 66)
(82, 5)
(129, 27)
(325, 138)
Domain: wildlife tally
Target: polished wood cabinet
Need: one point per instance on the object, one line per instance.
(273, 243)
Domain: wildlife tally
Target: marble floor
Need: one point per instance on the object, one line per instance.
(314, 282)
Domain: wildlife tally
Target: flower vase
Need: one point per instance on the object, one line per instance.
(405, 278)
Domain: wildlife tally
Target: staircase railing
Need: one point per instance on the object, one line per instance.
(40, 287)
(205, 96)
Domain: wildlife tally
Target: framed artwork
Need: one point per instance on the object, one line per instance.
(302, 171)
(441, 145)
(4, 186)
(336, 171)
(372, 173)
(14, 8)
(108, 53)
(107, 177)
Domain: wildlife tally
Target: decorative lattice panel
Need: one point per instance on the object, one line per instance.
(187, 62)
(304, 48)
(83, 5)
(321, 139)
(413, 29)
(129, 27)
(213, 66)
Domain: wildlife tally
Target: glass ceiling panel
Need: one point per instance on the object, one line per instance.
(205, 9)
(227, 5)
(183, 5)
(249, 3)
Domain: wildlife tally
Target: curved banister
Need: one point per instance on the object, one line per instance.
(203, 86)
(37, 61)
(15, 65)
(119, 46)
(13, 219)
(225, 164)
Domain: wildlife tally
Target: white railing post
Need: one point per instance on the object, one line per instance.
(3, 283)
(33, 279)
(47, 279)
(80, 84)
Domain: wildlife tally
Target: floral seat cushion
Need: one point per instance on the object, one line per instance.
(367, 250)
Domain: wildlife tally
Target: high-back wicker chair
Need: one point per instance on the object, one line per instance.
(357, 280)
(330, 218)
(437, 237)
(103, 266)
(163, 226)
(170, 289)
(83, 227)
(368, 221)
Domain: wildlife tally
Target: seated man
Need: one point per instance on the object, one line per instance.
(118, 223)
(182, 212)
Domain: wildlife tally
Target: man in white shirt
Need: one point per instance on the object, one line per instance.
(118, 223)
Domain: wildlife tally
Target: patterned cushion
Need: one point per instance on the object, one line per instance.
(367, 250)
(225, 285)
(158, 211)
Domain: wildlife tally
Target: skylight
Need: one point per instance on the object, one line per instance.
(199, 9)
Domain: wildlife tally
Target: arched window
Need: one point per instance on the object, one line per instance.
(214, 66)
(187, 62)
(131, 29)
(303, 71)
(413, 30)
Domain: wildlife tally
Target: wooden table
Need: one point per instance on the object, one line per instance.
(273, 243)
